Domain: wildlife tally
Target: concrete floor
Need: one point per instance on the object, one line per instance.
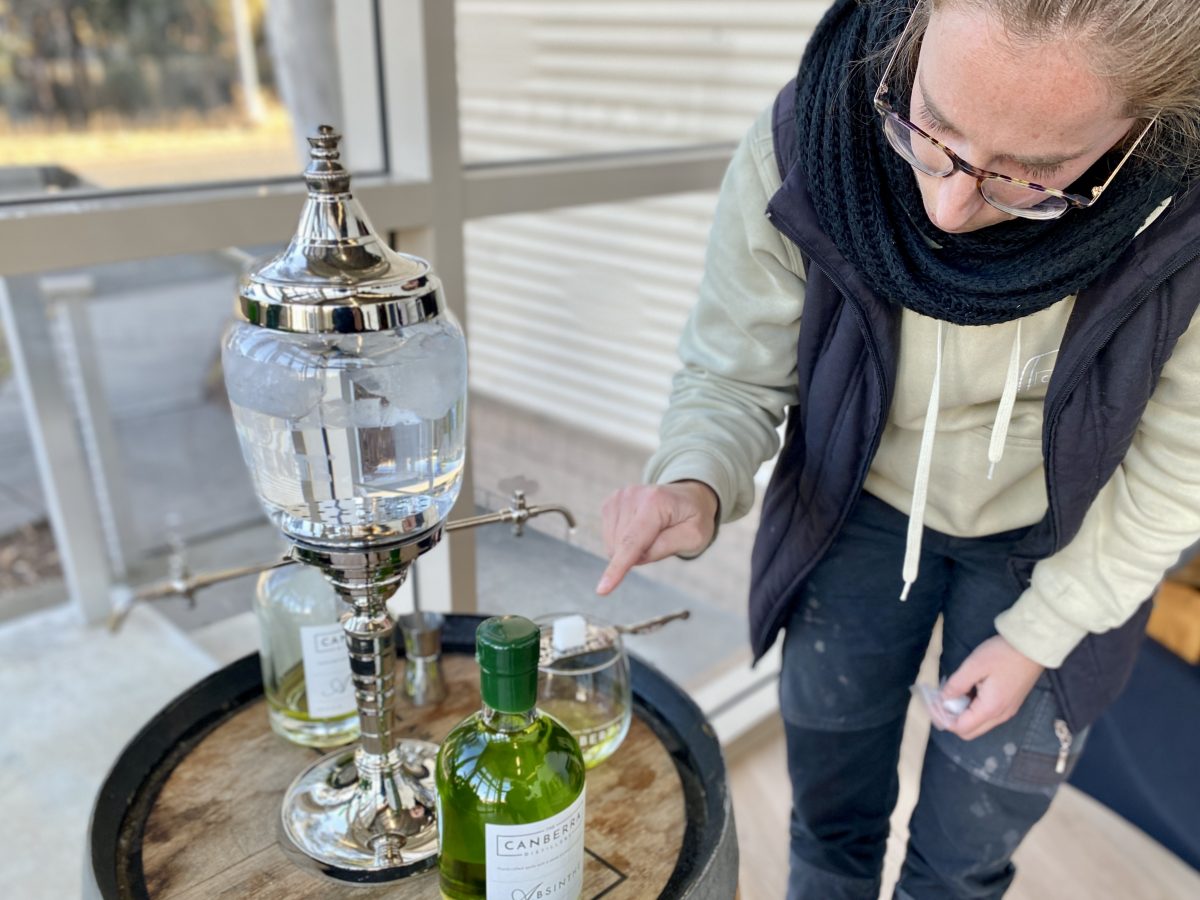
(71, 699)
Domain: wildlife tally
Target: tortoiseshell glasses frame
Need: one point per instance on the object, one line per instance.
(1015, 196)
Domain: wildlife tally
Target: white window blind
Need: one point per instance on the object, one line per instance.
(575, 314)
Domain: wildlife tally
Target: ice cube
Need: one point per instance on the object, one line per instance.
(569, 632)
(424, 379)
(268, 387)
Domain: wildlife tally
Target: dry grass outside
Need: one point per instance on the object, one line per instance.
(114, 152)
(28, 557)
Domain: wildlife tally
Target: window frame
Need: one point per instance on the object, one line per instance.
(401, 103)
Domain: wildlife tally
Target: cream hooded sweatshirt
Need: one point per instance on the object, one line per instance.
(968, 403)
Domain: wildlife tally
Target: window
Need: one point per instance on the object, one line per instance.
(574, 317)
(542, 78)
(125, 96)
(580, 263)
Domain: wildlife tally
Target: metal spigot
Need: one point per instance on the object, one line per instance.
(519, 513)
(181, 583)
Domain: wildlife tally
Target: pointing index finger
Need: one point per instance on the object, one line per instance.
(639, 534)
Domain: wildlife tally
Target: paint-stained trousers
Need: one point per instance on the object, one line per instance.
(851, 653)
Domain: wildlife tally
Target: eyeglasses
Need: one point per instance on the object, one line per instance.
(1017, 197)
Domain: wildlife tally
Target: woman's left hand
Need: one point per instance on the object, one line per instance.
(1001, 678)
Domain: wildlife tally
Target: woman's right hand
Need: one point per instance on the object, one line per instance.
(645, 523)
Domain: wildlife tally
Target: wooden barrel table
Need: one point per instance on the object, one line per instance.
(191, 808)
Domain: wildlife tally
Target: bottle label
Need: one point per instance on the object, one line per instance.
(537, 861)
(328, 687)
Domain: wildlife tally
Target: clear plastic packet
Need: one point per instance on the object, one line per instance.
(943, 713)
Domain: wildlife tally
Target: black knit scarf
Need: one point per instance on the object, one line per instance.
(867, 200)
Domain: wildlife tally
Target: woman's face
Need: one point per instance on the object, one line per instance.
(1034, 112)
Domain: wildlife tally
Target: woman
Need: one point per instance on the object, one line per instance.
(959, 253)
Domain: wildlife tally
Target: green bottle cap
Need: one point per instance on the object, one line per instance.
(507, 650)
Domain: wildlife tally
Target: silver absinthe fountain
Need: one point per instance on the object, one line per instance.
(347, 376)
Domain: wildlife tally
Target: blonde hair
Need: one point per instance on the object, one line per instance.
(1145, 49)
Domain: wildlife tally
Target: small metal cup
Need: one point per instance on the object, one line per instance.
(423, 681)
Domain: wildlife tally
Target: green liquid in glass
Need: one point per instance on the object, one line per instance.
(600, 725)
(503, 769)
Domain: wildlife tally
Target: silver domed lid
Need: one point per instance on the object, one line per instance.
(337, 276)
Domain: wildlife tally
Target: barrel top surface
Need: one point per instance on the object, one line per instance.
(191, 809)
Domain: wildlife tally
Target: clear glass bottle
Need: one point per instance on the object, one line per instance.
(510, 782)
(306, 671)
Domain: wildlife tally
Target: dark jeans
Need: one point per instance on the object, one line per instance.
(851, 652)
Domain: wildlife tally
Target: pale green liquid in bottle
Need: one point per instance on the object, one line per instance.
(297, 613)
(287, 703)
(499, 768)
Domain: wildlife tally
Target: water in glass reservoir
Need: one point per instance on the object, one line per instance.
(351, 438)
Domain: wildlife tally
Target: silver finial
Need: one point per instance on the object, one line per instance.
(325, 173)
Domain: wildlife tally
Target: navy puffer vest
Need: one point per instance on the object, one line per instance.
(1121, 332)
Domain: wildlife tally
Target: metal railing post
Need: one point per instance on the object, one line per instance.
(58, 449)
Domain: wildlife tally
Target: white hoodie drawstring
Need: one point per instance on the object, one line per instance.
(916, 515)
(1007, 401)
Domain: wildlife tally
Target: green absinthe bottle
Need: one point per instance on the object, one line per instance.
(510, 783)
